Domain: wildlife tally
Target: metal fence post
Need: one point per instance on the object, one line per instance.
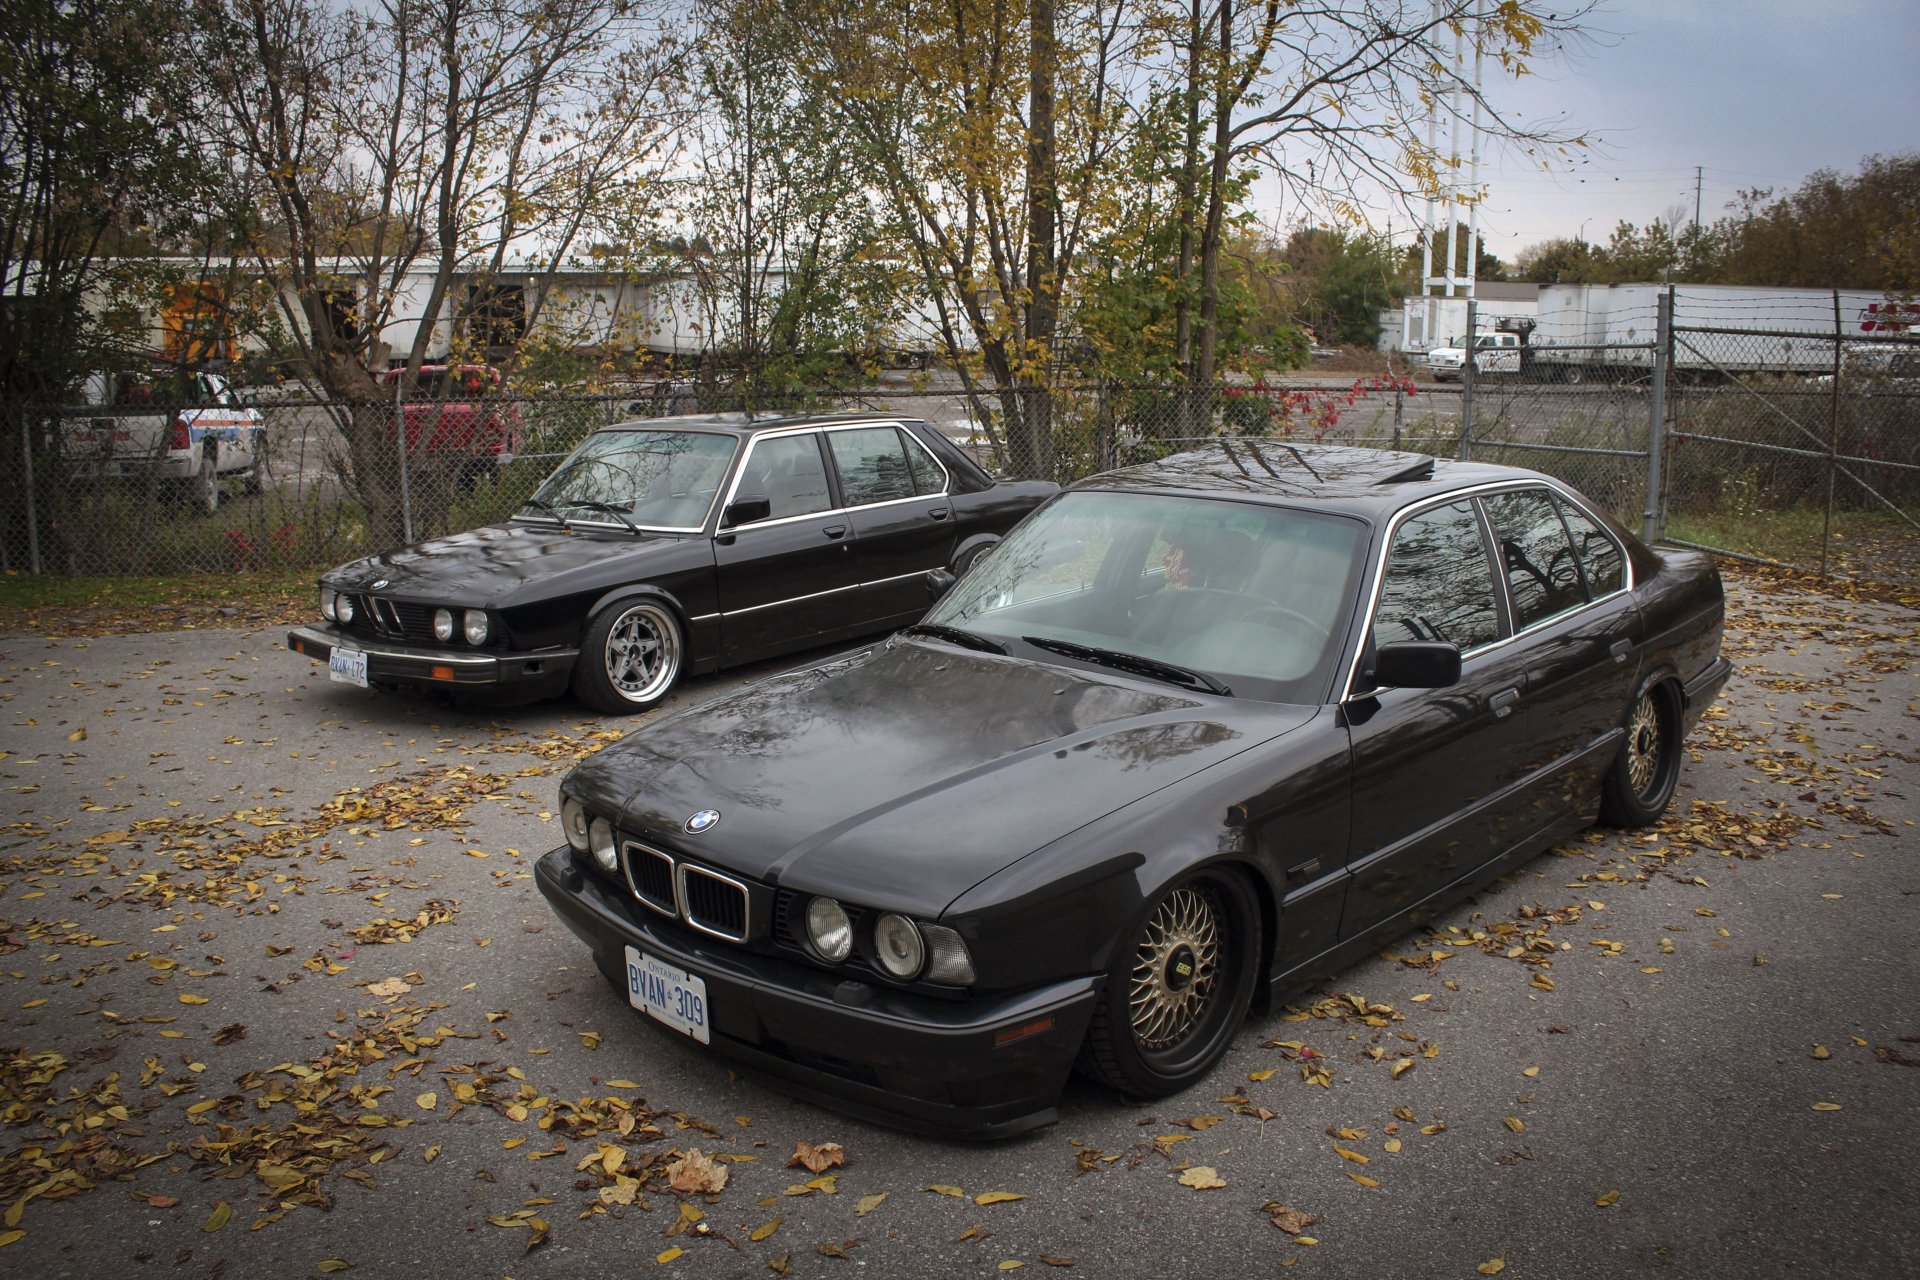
(1468, 368)
(33, 510)
(1652, 514)
(1833, 434)
(400, 433)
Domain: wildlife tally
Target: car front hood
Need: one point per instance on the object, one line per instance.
(489, 564)
(902, 776)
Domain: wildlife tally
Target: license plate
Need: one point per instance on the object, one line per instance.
(349, 666)
(672, 995)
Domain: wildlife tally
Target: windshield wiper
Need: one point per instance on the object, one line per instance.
(1132, 663)
(609, 509)
(538, 505)
(954, 635)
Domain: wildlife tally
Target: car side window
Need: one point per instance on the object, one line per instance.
(872, 464)
(788, 472)
(928, 478)
(1599, 554)
(1438, 584)
(1542, 568)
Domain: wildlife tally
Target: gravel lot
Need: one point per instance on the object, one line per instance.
(280, 999)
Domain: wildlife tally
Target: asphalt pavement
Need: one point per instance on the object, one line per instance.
(278, 998)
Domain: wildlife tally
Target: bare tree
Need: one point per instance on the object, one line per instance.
(428, 140)
(1343, 102)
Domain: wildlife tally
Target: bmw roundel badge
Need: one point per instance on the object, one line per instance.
(381, 584)
(705, 820)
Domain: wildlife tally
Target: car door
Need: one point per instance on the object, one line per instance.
(895, 491)
(1435, 771)
(785, 580)
(1580, 631)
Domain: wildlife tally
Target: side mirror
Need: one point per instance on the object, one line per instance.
(939, 582)
(1417, 664)
(746, 510)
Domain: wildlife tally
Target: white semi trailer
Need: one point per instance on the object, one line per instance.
(1574, 332)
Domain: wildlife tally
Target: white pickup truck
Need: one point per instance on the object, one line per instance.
(177, 429)
(1494, 354)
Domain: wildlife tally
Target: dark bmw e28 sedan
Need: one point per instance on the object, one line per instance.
(1194, 733)
(671, 546)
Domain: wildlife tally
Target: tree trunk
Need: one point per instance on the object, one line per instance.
(1033, 446)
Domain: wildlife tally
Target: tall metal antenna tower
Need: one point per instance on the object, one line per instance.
(1460, 183)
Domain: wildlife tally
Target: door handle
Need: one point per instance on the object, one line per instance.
(1502, 702)
(1620, 649)
(940, 513)
(835, 531)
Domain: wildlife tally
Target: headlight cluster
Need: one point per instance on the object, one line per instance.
(335, 606)
(472, 623)
(903, 948)
(588, 834)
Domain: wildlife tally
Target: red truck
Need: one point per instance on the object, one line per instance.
(459, 411)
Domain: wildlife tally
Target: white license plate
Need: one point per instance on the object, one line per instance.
(672, 995)
(349, 666)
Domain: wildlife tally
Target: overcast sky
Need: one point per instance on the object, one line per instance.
(1760, 92)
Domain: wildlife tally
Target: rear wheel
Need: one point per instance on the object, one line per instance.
(1178, 987)
(1641, 782)
(630, 658)
(205, 493)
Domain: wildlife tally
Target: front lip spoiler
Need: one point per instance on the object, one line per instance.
(908, 1062)
(414, 664)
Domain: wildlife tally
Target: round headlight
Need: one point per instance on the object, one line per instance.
(343, 607)
(326, 603)
(476, 626)
(443, 625)
(829, 930)
(600, 840)
(573, 821)
(896, 940)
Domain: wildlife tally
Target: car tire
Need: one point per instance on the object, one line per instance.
(205, 491)
(1178, 988)
(257, 477)
(968, 558)
(630, 658)
(1641, 781)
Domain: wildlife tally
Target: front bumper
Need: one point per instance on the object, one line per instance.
(392, 663)
(949, 1068)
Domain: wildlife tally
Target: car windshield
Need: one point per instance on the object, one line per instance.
(656, 479)
(1257, 598)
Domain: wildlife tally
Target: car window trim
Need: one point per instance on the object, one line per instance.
(833, 476)
(1474, 493)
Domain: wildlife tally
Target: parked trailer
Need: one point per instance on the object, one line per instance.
(1577, 332)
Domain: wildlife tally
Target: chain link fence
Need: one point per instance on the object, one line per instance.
(1815, 469)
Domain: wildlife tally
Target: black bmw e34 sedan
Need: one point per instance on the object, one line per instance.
(1193, 733)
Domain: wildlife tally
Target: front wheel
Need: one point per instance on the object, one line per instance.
(1641, 782)
(630, 658)
(1178, 988)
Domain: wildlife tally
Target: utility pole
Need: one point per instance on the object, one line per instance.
(1699, 175)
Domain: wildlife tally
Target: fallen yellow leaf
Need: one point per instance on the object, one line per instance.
(1493, 1266)
(1606, 1198)
(1202, 1178)
(997, 1197)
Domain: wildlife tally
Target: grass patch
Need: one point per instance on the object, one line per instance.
(1794, 535)
(95, 606)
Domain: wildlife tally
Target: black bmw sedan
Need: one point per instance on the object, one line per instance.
(1193, 733)
(667, 547)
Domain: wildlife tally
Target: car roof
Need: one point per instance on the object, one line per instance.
(1371, 483)
(747, 424)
